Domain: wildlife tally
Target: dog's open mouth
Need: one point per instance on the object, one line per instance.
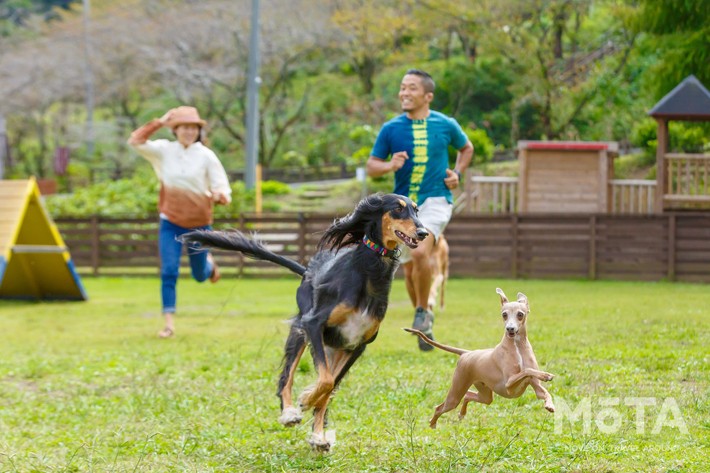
(511, 334)
(409, 241)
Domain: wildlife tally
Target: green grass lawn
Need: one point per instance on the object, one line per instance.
(87, 386)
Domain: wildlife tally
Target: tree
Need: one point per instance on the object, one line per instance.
(561, 56)
(373, 31)
(449, 21)
(682, 36)
(208, 68)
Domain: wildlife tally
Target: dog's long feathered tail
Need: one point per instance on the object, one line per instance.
(237, 241)
(458, 351)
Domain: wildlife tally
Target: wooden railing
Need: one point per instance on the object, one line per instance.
(687, 180)
(488, 195)
(632, 196)
(499, 195)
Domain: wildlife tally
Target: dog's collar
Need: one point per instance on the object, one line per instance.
(380, 249)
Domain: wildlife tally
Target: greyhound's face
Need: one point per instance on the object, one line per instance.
(514, 313)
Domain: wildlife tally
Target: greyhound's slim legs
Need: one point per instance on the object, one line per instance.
(484, 396)
(528, 372)
(543, 394)
(458, 389)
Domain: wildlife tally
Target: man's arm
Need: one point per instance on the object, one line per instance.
(377, 167)
(463, 159)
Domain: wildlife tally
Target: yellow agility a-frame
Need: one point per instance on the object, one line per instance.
(34, 261)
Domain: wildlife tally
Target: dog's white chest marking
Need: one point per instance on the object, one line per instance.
(520, 357)
(356, 326)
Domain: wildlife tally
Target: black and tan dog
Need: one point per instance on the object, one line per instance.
(342, 298)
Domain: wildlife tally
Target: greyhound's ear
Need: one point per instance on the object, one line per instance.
(503, 299)
(523, 299)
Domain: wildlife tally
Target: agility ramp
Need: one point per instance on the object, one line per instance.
(34, 261)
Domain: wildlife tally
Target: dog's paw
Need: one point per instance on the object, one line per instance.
(319, 443)
(547, 376)
(550, 407)
(305, 400)
(291, 416)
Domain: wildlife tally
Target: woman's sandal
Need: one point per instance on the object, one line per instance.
(167, 332)
(214, 277)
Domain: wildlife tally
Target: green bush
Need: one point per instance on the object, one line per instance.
(628, 166)
(137, 197)
(483, 146)
(363, 137)
(383, 184)
(134, 197)
(274, 188)
(683, 136)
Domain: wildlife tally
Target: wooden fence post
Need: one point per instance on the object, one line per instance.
(593, 247)
(240, 265)
(468, 192)
(671, 246)
(662, 177)
(514, 247)
(95, 242)
(301, 237)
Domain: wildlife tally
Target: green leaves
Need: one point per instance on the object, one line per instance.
(682, 31)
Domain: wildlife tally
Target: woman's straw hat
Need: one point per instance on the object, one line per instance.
(185, 115)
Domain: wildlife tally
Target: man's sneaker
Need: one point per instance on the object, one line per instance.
(424, 322)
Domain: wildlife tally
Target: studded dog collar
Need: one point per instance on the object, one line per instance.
(380, 249)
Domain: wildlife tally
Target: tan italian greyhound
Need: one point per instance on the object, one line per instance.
(506, 370)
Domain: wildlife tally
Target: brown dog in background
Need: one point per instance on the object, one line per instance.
(439, 272)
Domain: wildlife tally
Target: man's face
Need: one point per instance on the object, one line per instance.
(412, 95)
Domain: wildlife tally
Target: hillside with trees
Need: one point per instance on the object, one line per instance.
(506, 69)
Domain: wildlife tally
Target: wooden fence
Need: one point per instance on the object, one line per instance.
(499, 195)
(674, 246)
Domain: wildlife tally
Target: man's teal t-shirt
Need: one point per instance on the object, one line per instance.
(427, 144)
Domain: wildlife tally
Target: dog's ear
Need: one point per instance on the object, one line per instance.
(503, 299)
(523, 299)
(351, 228)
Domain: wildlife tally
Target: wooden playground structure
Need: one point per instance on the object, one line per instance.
(573, 177)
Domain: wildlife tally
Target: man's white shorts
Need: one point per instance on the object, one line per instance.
(434, 213)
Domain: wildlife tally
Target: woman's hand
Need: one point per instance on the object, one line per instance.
(220, 198)
(166, 118)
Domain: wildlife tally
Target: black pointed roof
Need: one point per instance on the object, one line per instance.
(690, 100)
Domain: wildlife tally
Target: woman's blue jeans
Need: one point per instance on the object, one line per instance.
(170, 251)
